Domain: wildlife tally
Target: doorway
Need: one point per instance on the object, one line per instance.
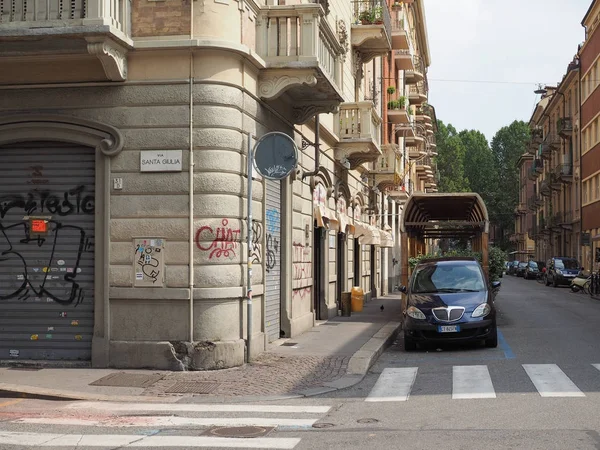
(319, 272)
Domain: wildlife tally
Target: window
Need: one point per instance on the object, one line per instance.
(584, 188)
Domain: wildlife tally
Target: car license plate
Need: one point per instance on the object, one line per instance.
(448, 329)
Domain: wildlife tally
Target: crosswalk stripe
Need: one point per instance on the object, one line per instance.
(160, 421)
(199, 408)
(117, 440)
(472, 382)
(393, 385)
(597, 366)
(551, 381)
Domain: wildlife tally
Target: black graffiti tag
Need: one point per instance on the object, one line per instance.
(59, 236)
(148, 262)
(272, 250)
(73, 201)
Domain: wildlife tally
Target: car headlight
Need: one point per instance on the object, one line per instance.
(415, 313)
(559, 272)
(482, 310)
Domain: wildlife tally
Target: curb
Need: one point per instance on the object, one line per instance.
(360, 362)
(37, 393)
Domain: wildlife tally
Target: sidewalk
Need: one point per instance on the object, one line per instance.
(333, 355)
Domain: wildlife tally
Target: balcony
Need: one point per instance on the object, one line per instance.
(419, 139)
(54, 41)
(406, 130)
(423, 166)
(539, 200)
(399, 193)
(565, 127)
(545, 189)
(555, 183)
(303, 58)
(404, 60)
(415, 152)
(564, 173)
(372, 29)
(550, 143)
(417, 94)
(531, 203)
(397, 110)
(402, 36)
(387, 170)
(521, 209)
(359, 133)
(417, 73)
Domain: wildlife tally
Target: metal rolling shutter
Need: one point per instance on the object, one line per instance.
(273, 259)
(46, 281)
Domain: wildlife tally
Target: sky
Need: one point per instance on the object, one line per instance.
(516, 44)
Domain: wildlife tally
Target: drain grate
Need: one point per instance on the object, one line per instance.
(239, 432)
(193, 387)
(122, 379)
(289, 344)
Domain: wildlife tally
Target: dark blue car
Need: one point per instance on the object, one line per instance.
(449, 300)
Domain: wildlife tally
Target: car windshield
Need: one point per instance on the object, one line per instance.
(570, 264)
(434, 278)
(522, 264)
(533, 264)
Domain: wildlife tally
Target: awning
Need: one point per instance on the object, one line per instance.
(343, 220)
(371, 237)
(387, 240)
(324, 218)
(360, 229)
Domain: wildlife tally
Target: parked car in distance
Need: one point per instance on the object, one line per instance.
(449, 300)
(561, 270)
(531, 271)
(520, 271)
(512, 268)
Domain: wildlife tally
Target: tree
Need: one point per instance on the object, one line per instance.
(479, 166)
(508, 144)
(450, 160)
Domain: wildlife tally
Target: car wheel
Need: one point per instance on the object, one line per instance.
(492, 342)
(409, 344)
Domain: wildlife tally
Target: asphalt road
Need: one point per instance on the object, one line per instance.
(538, 390)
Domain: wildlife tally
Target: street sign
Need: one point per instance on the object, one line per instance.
(275, 155)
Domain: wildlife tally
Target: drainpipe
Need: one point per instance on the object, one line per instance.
(317, 151)
(579, 249)
(191, 179)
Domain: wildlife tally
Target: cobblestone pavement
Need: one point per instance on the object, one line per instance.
(270, 374)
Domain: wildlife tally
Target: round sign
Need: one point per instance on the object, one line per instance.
(275, 155)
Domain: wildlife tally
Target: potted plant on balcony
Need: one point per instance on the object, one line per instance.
(377, 15)
(366, 17)
(391, 90)
(393, 104)
(402, 102)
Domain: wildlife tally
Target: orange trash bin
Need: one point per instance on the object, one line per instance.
(357, 299)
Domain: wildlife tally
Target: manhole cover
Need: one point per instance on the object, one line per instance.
(239, 432)
(193, 387)
(323, 425)
(122, 379)
(289, 344)
(367, 420)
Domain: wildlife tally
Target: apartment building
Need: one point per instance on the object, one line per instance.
(589, 55)
(523, 236)
(553, 208)
(124, 135)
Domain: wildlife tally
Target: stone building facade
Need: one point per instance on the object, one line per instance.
(124, 135)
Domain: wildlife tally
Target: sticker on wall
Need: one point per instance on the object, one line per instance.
(34, 337)
(13, 353)
(49, 300)
(62, 314)
(50, 328)
(139, 276)
(79, 270)
(70, 270)
(63, 269)
(60, 262)
(78, 337)
(45, 269)
(36, 269)
(21, 277)
(54, 269)
(74, 322)
(48, 336)
(37, 299)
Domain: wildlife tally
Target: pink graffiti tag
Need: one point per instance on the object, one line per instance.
(224, 241)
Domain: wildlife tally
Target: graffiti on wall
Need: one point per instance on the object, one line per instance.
(273, 227)
(44, 267)
(256, 250)
(301, 294)
(222, 242)
(301, 264)
(149, 261)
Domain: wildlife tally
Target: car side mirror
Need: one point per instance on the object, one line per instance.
(403, 289)
(496, 285)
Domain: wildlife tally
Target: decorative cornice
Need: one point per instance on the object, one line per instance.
(60, 128)
(304, 112)
(112, 56)
(273, 84)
